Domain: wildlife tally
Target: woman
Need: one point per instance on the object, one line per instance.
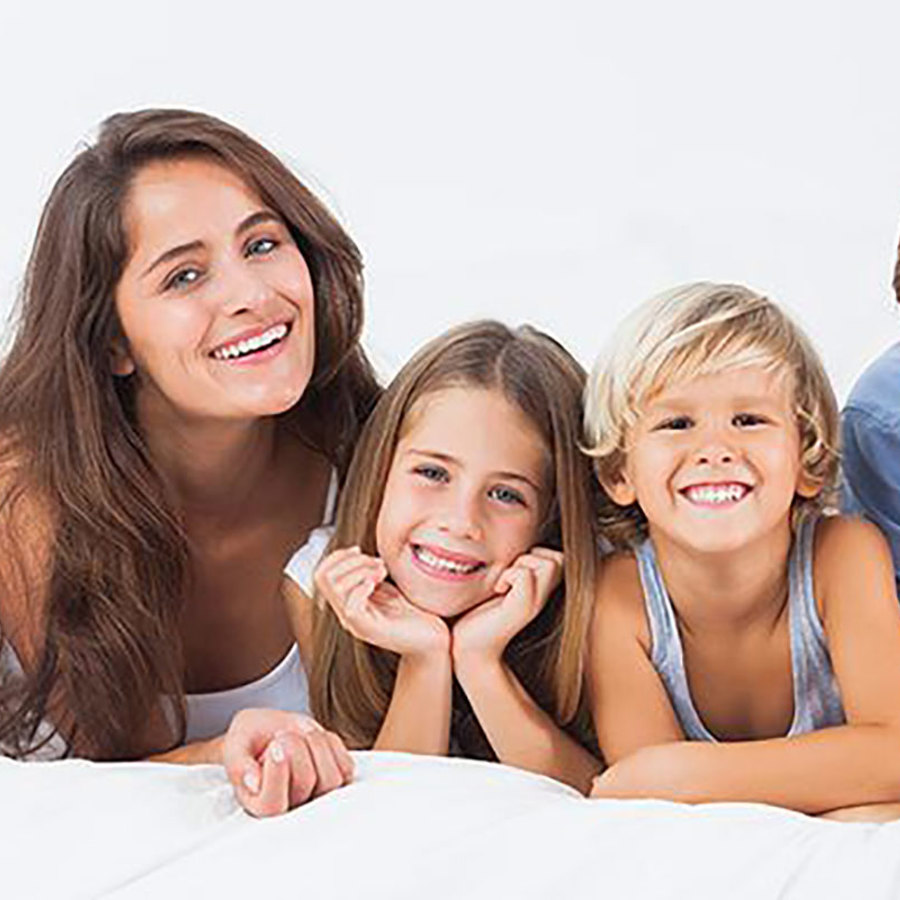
(184, 387)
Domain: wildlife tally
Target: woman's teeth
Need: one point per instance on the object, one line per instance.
(251, 345)
(716, 493)
(445, 565)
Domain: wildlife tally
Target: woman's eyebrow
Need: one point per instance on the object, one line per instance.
(256, 218)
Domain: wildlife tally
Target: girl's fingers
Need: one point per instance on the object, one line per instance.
(301, 766)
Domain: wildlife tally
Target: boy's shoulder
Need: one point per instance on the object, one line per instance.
(620, 595)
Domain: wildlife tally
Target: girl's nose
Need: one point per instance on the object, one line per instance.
(460, 516)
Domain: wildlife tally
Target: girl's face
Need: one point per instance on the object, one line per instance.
(465, 496)
(714, 463)
(216, 301)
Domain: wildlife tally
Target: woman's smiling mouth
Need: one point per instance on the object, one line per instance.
(252, 344)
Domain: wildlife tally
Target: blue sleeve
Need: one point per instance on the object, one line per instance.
(871, 467)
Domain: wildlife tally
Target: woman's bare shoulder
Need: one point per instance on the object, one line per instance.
(26, 540)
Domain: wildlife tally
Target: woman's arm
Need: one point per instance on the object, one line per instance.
(857, 763)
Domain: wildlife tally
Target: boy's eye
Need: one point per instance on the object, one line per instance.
(747, 420)
(182, 278)
(506, 495)
(676, 423)
(432, 472)
(261, 247)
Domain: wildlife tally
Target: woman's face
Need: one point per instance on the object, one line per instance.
(215, 301)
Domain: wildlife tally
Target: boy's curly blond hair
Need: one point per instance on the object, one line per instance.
(700, 329)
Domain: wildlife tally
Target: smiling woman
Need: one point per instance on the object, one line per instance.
(180, 400)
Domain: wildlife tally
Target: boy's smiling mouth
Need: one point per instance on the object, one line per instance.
(440, 563)
(716, 494)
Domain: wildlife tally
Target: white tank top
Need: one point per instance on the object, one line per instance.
(283, 687)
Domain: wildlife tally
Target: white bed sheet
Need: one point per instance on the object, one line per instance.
(411, 826)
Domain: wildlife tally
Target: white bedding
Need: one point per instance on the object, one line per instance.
(411, 827)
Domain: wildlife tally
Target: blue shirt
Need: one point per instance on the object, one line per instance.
(871, 448)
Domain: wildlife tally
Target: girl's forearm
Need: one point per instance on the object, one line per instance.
(837, 767)
(520, 732)
(418, 717)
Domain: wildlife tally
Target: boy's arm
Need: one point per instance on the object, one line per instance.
(856, 763)
(629, 703)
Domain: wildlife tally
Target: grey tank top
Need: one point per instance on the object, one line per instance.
(817, 702)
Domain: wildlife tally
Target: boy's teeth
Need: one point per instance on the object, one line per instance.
(447, 565)
(716, 493)
(240, 348)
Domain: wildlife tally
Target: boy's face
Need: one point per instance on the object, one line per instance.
(714, 462)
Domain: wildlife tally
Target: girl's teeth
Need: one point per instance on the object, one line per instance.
(446, 565)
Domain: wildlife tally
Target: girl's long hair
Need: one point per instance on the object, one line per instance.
(111, 590)
(351, 681)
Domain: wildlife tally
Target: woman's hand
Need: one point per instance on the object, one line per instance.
(277, 760)
(522, 590)
(373, 610)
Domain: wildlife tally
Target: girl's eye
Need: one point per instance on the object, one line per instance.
(261, 247)
(432, 473)
(747, 420)
(676, 423)
(182, 278)
(506, 495)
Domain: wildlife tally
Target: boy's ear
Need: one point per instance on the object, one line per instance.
(120, 361)
(808, 486)
(619, 488)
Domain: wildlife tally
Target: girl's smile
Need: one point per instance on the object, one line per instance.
(465, 496)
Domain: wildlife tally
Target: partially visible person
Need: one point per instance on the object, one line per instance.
(871, 444)
(460, 579)
(182, 395)
(745, 644)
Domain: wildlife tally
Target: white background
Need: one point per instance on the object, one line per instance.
(549, 163)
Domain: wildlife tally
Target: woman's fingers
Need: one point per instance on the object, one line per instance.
(328, 773)
(272, 799)
(341, 756)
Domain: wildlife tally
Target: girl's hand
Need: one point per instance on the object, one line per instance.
(374, 611)
(277, 760)
(522, 590)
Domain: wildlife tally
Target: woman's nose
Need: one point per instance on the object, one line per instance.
(242, 288)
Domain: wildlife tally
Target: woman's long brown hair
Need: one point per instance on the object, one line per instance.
(116, 576)
(351, 681)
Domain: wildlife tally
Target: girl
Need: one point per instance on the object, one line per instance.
(184, 385)
(744, 647)
(446, 567)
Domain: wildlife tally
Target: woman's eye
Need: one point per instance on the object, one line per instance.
(676, 423)
(261, 247)
(432, 473)
(182, 278)
(506, 495)
(746, 420)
